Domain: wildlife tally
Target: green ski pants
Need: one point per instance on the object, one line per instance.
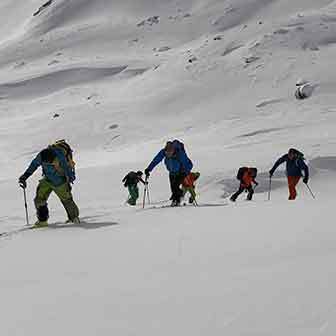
(133, 194)
(191, 190)
(44, 189)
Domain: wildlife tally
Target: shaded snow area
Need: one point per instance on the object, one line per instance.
(117, 79)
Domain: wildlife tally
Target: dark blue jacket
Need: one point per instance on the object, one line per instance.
(57, 173)
(293, 167)
(179, 163)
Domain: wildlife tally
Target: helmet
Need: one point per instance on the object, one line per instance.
(139, 173)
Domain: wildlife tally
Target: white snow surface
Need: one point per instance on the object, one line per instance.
(124, 77)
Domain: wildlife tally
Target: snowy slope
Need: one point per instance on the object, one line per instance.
(125, 77)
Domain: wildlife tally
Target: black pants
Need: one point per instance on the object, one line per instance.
(175, 182)
(241, 189)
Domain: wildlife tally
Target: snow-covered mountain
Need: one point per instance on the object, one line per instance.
(117, 79)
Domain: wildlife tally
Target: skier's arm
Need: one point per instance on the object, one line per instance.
(142, 181)
(125, 180)
(33, 167)
(302, 165)
(278, 163)
(157, 159)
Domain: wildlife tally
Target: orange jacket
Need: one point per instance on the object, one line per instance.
(190, 179)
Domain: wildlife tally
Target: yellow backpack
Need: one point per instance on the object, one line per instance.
(67, 151)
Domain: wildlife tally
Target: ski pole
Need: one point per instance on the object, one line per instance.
(145, 192)
(144, 198)
(269, 188)
(310, 191)
(25, 203)
(193, 195)
(148, 198)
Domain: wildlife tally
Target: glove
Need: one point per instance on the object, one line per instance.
(271, 172)
(256, 183)
(22, 181)
(305, 180)
(147, 172)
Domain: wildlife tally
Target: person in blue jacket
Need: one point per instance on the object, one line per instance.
(58, 175)
(295, 165)
(178, 165)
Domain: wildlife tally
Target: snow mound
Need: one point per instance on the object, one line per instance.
(309, 30)
(61, 13)
(52, 82)
(239, 12)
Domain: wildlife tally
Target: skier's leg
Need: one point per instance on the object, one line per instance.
(64, 194)
(292, 182)
(41, 200)
(171, 183)
(133, 193)
(237, 193)
(192, 192)
(175, 182)
(184, 191)
(179, 190)
(250, 193)
(130, 192)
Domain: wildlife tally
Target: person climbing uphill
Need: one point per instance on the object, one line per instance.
(131, 181)
(188, 185)
(246, 176)
(58, 175)
(295, 165)
(178, 165)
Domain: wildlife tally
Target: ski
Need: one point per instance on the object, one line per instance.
(185, 205)
(34, 227)
(17, 231)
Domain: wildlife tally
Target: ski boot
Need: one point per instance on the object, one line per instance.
(74, 221)
(249, 195)
(40, 224)
(175, 203)
(131, 202)
(233, 199)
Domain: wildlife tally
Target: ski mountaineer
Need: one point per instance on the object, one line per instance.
(188, 185)
(246, 176)
(131, 181)
(294, 166)
(58, 175)
(178, 165)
